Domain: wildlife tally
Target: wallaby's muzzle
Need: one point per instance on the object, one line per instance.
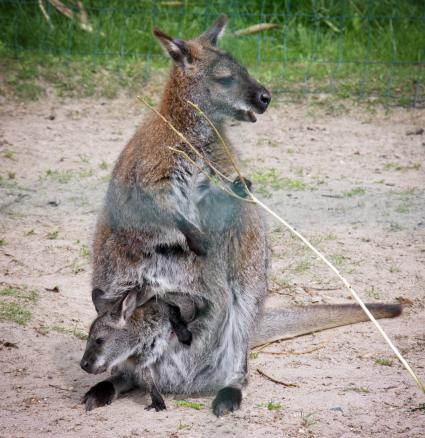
(262, 100)
(258, 100)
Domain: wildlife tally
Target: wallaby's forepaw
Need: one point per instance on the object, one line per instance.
(197, 244)
(158, 405)
(227, 400)
(99, 395)
(239, 187)
(195, 238)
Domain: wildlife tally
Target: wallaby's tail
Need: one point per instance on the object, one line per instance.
(296, 321)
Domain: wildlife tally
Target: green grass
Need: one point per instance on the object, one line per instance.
(65, 176)
(384, 362)
(9, 154)
(13, 302)
(344, 47)
(271, 406)
(10, 311)
(267, 180)
(400, 167)
(80, 334)
(359, 389)
(84, 251)
(189, 404)
(19, 293)
(103, 165)
(53, 235)
(302, 266)
(357, 191)
(307, 420)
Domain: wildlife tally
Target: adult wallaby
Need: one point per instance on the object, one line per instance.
(127, 338)
(165, 228)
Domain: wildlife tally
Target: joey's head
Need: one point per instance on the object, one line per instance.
(123, 330)
(212, 78)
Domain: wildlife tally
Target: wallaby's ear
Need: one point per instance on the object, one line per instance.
(176, 48)
(101, 304)
(129, 305)
(215, 32)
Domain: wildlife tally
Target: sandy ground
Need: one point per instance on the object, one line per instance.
(351, 179)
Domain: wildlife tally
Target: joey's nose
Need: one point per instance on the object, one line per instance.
(84, 364)
(263, 99)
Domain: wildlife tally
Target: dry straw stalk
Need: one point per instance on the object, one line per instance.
(254, 199)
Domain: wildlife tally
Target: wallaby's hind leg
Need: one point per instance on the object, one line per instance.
(103, 393)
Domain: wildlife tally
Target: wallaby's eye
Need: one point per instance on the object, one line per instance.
(100, 341)
(226, 81)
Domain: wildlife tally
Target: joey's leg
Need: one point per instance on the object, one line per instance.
(184, 335)
(158, 402)
(104, 392)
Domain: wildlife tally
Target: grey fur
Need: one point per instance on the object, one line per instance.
(231, 277)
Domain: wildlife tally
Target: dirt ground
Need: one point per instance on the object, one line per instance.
(350, 178)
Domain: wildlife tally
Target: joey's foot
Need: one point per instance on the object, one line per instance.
(158, 405)
(239, 187)
(227, 400)
(99, 395)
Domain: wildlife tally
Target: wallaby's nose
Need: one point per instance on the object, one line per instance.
(263, 99)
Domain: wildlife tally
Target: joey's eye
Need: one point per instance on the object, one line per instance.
(226, 81)
(100, 341)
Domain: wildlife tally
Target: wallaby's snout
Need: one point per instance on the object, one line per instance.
(263, 99)
(259, 99)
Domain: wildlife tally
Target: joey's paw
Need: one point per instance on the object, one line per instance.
(184, 336)
(227, 400)
(239, 187)
(99, 395)
(158, 405)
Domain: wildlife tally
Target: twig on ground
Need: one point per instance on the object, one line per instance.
(62, 388)
(274, 380)
(289, 353)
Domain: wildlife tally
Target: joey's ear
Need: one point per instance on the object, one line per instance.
(129, 305)
(101, 303)
(215, 32)
(177, 49)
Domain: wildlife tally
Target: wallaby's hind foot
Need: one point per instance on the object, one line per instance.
(99, 395)
(228, 399)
